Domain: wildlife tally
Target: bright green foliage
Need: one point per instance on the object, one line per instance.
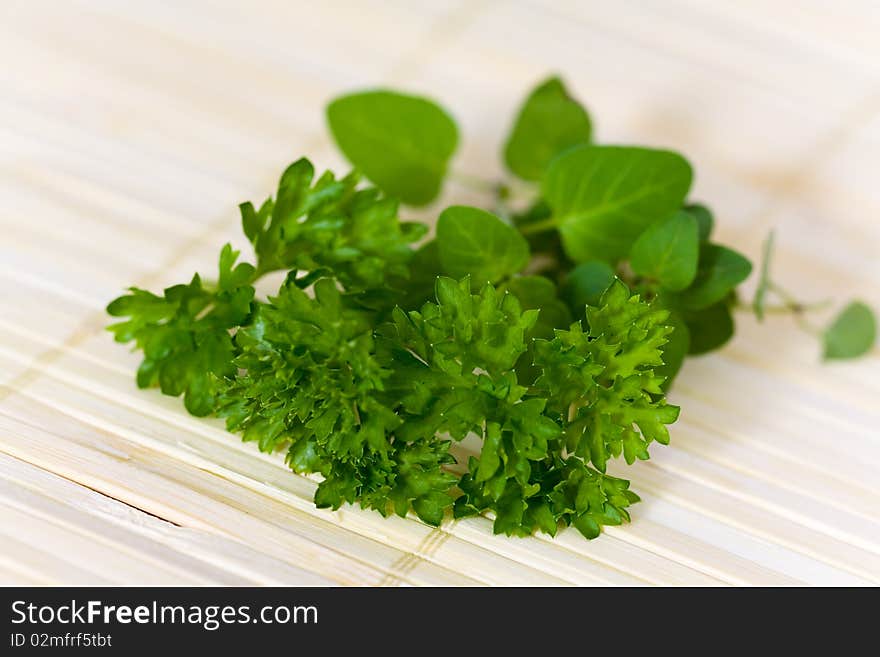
(330, 227)
(594, 399)
(704, 218)
(184, 333)
(601, 380)
(603, 197)
(402, 143)
(550, 328)
(586, 283)
(719, 272)
(373, 400)
(476, 243)
(667, 252)
(710, 328)
(549, 122)
(851, 334)
(312, 382)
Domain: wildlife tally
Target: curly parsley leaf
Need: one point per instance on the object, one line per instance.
(330, 226)
(596, 398)
(184, 333)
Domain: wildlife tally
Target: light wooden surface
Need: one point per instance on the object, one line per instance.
(129, 131)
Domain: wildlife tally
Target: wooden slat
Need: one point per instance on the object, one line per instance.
(183, 554)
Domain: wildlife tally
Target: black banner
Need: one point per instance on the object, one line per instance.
(388, 621)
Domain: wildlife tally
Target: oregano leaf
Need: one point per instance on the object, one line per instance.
(402, 143)
(603, 197)
(549, 122)
(667, 252)
(851, 334)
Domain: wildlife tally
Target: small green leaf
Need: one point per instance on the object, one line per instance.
(719, 271)
(705, 220)
(402, 143)
(477, 243)
(586, 283)
(549, 122)
(603, 197)
(764, 282)
(667, 251)
(709, 328)
(851, 334)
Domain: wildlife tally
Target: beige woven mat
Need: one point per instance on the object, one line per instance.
(129, 131)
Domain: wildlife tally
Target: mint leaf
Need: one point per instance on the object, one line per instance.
(401, 142)
(474, 242)
(719, 271)
(603, 197)
(586, 283)
(667, 252)
(549, 122)
(851, 334)
(705, 220)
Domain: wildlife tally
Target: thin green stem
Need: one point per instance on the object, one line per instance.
(784, 309)
(794, 304)
(791, 306)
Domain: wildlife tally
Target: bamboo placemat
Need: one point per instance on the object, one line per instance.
(130, 131)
